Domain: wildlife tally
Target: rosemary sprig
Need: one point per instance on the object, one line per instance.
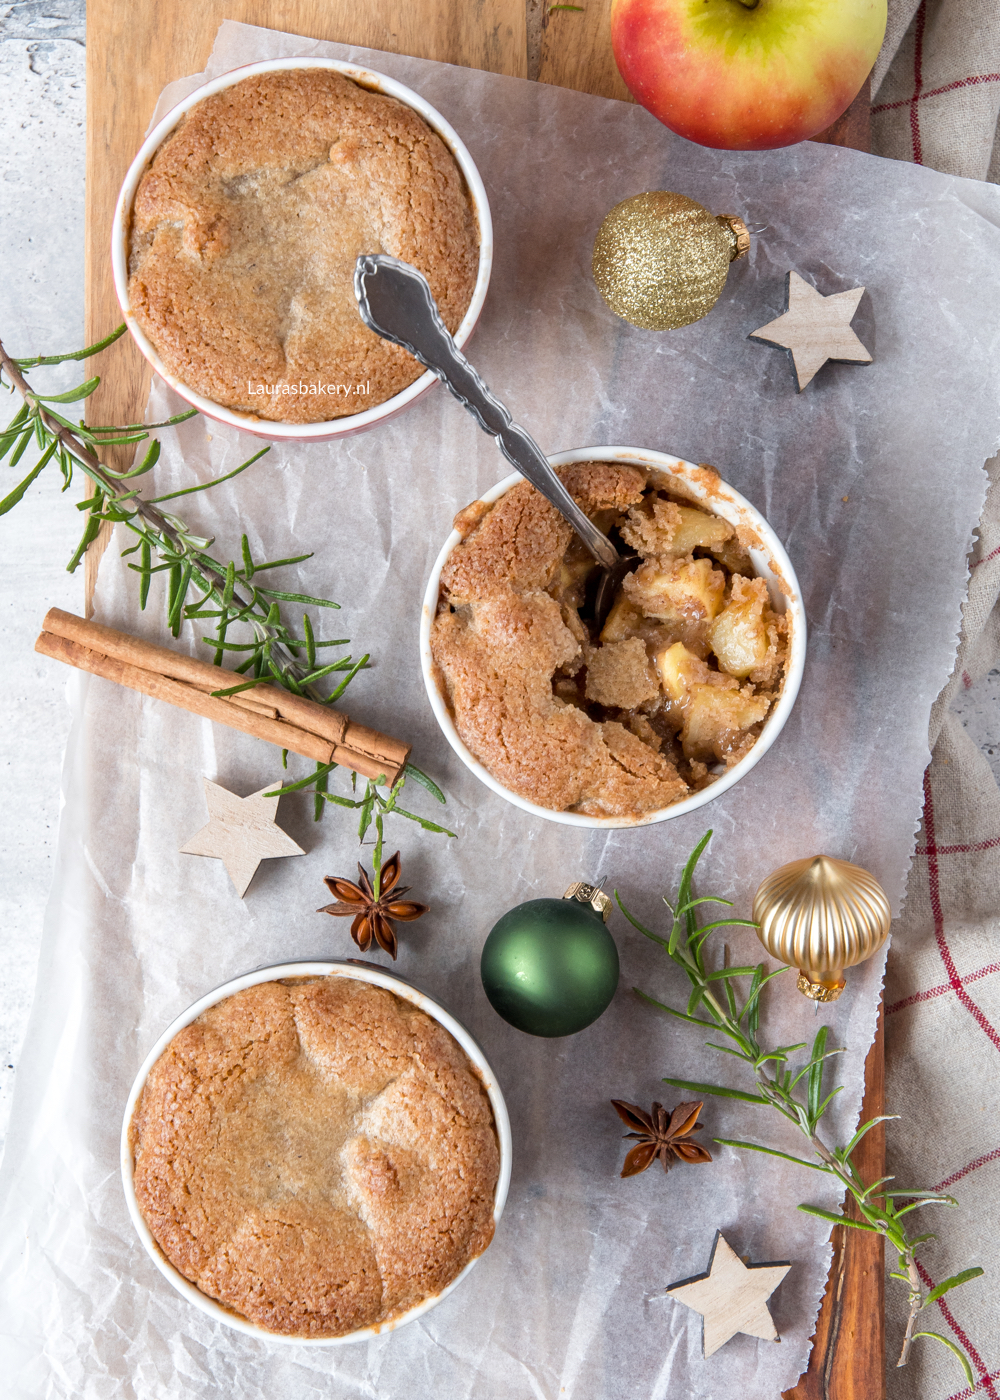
(793, 1090)
(182, 553)
(373, 805)
(229, 593)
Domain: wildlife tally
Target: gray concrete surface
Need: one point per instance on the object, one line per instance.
(41, 310)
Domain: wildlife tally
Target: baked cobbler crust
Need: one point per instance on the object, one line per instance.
(245, 231)
(673, 691)
(318, 1156)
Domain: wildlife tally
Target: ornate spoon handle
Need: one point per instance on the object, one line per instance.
(396, 303)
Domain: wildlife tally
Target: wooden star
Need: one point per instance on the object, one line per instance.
(732, 1296)
(241, 833)
(816, 328)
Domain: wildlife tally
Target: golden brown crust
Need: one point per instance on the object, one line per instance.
(245, 231)
(500, 647)
(576, 722)
(318, 1156)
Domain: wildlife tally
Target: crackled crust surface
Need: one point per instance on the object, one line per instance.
(623, 724)
(245, 231)
(317, 1155)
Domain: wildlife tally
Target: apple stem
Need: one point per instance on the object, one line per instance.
(749, 4)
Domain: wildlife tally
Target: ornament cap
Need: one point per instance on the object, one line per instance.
(738, 234)
(592, 895)
(817, 990)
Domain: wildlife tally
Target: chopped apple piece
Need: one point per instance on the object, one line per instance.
(697, 530)
(744, 635)
(679, 669)
(571, 574)
(622, 620)
(666, 530)
(716, 721)
(678, 592)
(733, 556)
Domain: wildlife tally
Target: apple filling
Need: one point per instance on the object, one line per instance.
(628, 719)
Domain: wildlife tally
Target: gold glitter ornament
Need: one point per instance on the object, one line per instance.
(821, 915)
(661, 260)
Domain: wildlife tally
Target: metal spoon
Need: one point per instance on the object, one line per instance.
(396, 303)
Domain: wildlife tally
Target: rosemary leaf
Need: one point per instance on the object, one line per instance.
(145, 427)
(815, 1072)
(325, 671)
(11, 434)
(366, 804)
(955, 1281)
(644, 931)
(180, 588)
(813, 1068)
(924, 1198)
(147, 464)
(296, 597)
(12, 499)
(962, 1358)
(230, 584)
(411, 771)
(828, 1214)
(235, 690)
(277, 563)
(90, 532)
(147, 573)
(22, 446)
(322, 769)
(74, 354)
(320, 778)
(718, 1091)
(216, 481)
(336, 694)
(773, 1152)
(423, 822)
(112, 442)
(681, 1016)
(82, 391)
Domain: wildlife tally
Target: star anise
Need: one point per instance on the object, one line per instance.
(661, 1134)
(372, 917)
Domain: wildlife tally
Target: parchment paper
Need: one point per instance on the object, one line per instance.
(872, 477)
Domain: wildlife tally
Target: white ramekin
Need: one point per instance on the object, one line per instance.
(326, 967)
(770, 561)
(334, 427)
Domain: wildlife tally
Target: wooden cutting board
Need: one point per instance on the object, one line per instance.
(133, 51)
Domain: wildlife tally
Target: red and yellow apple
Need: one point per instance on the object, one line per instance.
(749, 78)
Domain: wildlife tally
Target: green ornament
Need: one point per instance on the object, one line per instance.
(549, 966)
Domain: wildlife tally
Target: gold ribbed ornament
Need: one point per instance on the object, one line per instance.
(661, 260)
(821, 915)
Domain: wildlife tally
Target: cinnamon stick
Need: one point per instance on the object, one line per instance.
(295, 723)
